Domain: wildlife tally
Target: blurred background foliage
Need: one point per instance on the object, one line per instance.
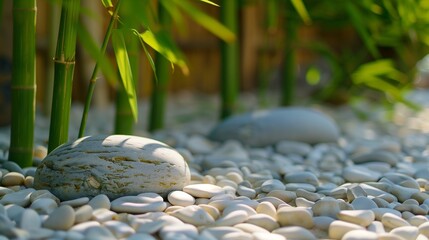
(338, 50)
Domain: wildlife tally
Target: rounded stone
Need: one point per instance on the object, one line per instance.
(61, 218)
(100, 201)
(360, 235)
(291, 216)
(295, 232)
(142, 203)
(115, 165)
(12, 179)
(194, 215)
(268, 127)
(360, 217)
(337, 229)
(203, 190)
(180, 198)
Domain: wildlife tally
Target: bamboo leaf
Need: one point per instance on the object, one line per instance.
(210, 2)
(302, 10)
(148, 56)
(359, 23)
(107, 3)
(205, 20)
(94, 51)
(124, 66)
(162, 43)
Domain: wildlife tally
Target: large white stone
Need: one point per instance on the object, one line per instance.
(268, 127)
(115, 165)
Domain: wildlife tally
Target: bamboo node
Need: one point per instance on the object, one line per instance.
(64, 62)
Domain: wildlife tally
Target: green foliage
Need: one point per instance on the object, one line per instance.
(164, 44)
(124, 67)
(393, 37)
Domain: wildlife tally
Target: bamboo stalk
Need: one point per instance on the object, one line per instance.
(53, 18)
(23, 82)
(93, 79)
(63, 73)
(159, 91)
(124, 120)
(289, 64)
(230, 75)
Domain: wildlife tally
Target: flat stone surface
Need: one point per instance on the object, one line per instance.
(194, 215)
(262, 128)
(142, 203)
(360, 217)
(115, 165)
(203, 190)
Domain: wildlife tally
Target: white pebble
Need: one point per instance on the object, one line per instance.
(30, 220)
(272, 184)
(99, 201)
(232, 218)
(360, 235)
(390, 220)
(21, 198)
(142, 203)
(103, 215)
(119, 229)
(265, 236)
(180, 198)
(214, 212)
(203, 190)
(61, 218)
(83, 213)
(194, 215)
(263, 220)
(76, 202)
(171, 231)
(291, 216)
(406, 232)
(44, 205)
(267, 208)
(295, 232)
(326, 206)
(360, 217)
(337, 229)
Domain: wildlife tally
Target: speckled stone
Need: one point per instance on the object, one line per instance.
(115, 165)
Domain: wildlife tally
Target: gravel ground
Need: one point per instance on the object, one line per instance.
(372, 184)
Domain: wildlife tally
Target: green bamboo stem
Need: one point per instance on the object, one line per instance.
(23, 82)
(53, 18)
(289, 64)
(159, 91)
(93, 79)
(63, 73)
(124, 120)
(230, 75)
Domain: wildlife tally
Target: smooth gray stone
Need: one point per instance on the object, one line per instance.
(377, 156)
(115, 165)
(12, 167)
(268, 127)
(21, 198)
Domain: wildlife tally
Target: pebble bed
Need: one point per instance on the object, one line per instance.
(372, 184)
